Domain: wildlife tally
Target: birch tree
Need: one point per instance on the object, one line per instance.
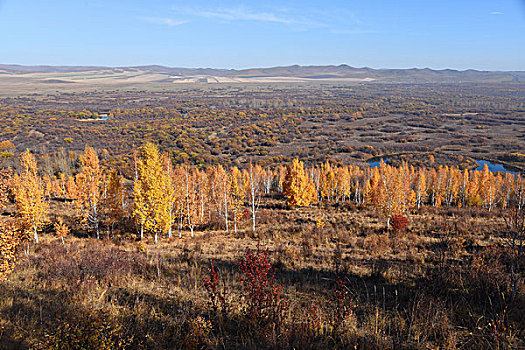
(89, 185)
(29, 195)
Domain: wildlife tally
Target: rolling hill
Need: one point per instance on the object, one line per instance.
(17, 79)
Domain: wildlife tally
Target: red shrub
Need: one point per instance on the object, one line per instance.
(263, 295)
(342, 307)
(216, 295)
(399, 223)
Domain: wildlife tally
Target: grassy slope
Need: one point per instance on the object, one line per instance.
(423, 288)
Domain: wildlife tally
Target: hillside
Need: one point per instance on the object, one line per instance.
(162, 74)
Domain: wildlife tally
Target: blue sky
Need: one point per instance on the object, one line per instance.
(458, 34)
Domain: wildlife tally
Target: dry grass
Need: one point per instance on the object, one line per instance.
(435, 286)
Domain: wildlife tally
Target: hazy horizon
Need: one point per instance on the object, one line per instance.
(253, 67)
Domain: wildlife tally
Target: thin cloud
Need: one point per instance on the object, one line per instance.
(245, 14)
(496, 13)
(162, 21)
(284, 16)
(352, 31)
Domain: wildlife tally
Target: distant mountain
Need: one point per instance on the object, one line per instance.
(273, 74)
(17, 69)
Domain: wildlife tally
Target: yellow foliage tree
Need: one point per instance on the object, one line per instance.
(9, 241)
(420, 187)
(114, 207)
(152, 204)
(390, 190)
(219, 185)
(298, 188)
(29, 195)
(237, 195)
(190, 198)
(6, 177)
(61, 230)
(90, 190)
(326, 182)
(253, 184)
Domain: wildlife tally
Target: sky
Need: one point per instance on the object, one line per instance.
(456, 34)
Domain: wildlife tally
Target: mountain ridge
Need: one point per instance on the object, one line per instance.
(273, 74)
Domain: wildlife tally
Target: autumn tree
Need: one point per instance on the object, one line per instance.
(139, 200)
(29, 195)
(281, 174)
(487, 187)
(176, 195)
(114, 206)
(268, 179)
(451, 185)
(10, 239)
(435, 186)
(9, 234)
(201, 178)
(151, 201)
(237, 193)
(298, 188)
(463, 192)
(190, 198)
(343, 183)
(254, 189)
(220, 193)
(70, 188)
(420, 187)
(61, 230)
(90, 189)
(173, 194)
(519, 192)
(390, 191)
(6, 178)
(326, 182)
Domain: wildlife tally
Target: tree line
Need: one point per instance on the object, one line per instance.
(162, 198)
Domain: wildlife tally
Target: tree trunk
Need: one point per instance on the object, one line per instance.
(226, 212)
(180, 225)
(253, 220)
(35, 234)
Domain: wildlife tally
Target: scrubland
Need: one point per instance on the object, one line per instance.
(444, 282)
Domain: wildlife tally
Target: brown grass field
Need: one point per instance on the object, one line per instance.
(442, 283)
